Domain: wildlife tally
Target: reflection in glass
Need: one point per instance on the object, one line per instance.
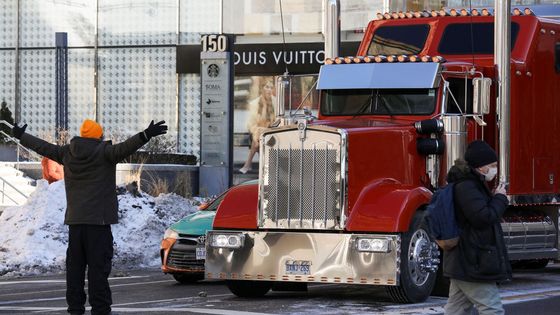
(399, 40)
(137, 22)
(41, 19)
(378, 102)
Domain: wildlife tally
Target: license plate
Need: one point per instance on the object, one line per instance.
(200, 253)
(298, 267)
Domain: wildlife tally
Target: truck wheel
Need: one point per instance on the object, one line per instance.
(185, 279)
(251, 289)
(419, 261)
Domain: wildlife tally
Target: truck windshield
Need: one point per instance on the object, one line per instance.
(399, 40)
(378, 102)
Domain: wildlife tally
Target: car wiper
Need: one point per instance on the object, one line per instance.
(364, 106)
(384, 104)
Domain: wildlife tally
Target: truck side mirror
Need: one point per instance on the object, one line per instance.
(481, 95)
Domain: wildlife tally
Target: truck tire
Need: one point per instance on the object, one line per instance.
(250, 289)
(419, 260)
(186, 279)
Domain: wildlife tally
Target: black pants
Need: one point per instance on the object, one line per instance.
(91, 246)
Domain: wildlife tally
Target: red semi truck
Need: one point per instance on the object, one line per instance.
(341, 198)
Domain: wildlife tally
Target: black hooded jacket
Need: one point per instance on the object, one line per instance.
(481, 254)
(89, 175)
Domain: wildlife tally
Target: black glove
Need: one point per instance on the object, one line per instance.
(18, 131)
(154, 130)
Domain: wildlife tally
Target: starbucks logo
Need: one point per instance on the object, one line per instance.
(213, 70)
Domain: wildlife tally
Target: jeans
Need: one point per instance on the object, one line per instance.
(91, 246)
(465, 296)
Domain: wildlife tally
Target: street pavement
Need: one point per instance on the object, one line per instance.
(151, 292)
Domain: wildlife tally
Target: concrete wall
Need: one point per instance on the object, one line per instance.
(154, 178)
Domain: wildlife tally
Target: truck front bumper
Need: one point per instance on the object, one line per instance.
(302, 257)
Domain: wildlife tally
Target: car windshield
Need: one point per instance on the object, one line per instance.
(214, 204)
(378, 102)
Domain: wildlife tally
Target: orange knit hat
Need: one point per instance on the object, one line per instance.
(91, 129)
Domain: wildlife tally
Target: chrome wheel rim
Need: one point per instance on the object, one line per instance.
(418, 252)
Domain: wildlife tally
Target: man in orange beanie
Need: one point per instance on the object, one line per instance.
(89, 178)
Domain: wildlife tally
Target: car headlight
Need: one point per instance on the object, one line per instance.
(377, 245)
(227, 240)
(169, 233)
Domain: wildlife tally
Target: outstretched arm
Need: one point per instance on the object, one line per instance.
(42, 147)
(118, 152)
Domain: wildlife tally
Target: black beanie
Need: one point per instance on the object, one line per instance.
(479, 153)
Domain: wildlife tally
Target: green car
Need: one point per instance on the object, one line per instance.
(183, 246)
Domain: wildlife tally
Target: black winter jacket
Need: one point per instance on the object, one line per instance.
(89, 175)
(481, 254)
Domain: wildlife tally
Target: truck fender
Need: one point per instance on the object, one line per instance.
(239, 208)
(386, 205)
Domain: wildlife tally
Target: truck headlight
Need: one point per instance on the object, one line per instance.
(169, 233)
(227, 240)
(377, 245)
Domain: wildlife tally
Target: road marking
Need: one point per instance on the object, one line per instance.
(137, 310)
(64, 290)
(61, 281)
(32, 300)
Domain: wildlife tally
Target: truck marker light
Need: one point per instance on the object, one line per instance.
(443, 12)
(409, 15)
(486, 12)
(414, 58)
(426, 58)
(380, 16)
(434, 13)
(380, 58)
(528, 11)
(391, 58)
(329, 61)
(387, 15)
(348, 59)
(376, 245)
(402, 58)
(464, 12)
(338, 60)
(474, 12)
(438, 59)
(517, 12)
(358, 59)
(401, 15)
(368, 59)
(453, 12)
(395, 15)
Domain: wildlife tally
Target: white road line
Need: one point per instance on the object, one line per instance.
(137, 310)
(64, 290)
(172, 300)
(62, 280)
(32, 300)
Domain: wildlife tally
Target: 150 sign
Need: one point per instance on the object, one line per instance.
(214, 42)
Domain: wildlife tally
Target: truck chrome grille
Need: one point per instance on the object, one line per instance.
(301, 185)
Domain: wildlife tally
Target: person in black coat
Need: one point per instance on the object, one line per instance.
(90, 181)
(480, 259)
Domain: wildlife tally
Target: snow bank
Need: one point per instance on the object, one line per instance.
(33, 237)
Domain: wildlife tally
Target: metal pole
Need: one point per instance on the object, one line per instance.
(96, 65)
(17, 104)
(502, 52)
(178, 82)
(331, 28)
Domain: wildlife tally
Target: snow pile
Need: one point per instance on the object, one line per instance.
(33, 237)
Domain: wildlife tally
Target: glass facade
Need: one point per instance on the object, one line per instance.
(122, 55)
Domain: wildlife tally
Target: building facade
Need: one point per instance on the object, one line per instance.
(122, 55)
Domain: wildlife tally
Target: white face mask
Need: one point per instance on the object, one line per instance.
(492, 171)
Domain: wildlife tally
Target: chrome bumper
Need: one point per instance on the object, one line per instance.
(332, 258)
